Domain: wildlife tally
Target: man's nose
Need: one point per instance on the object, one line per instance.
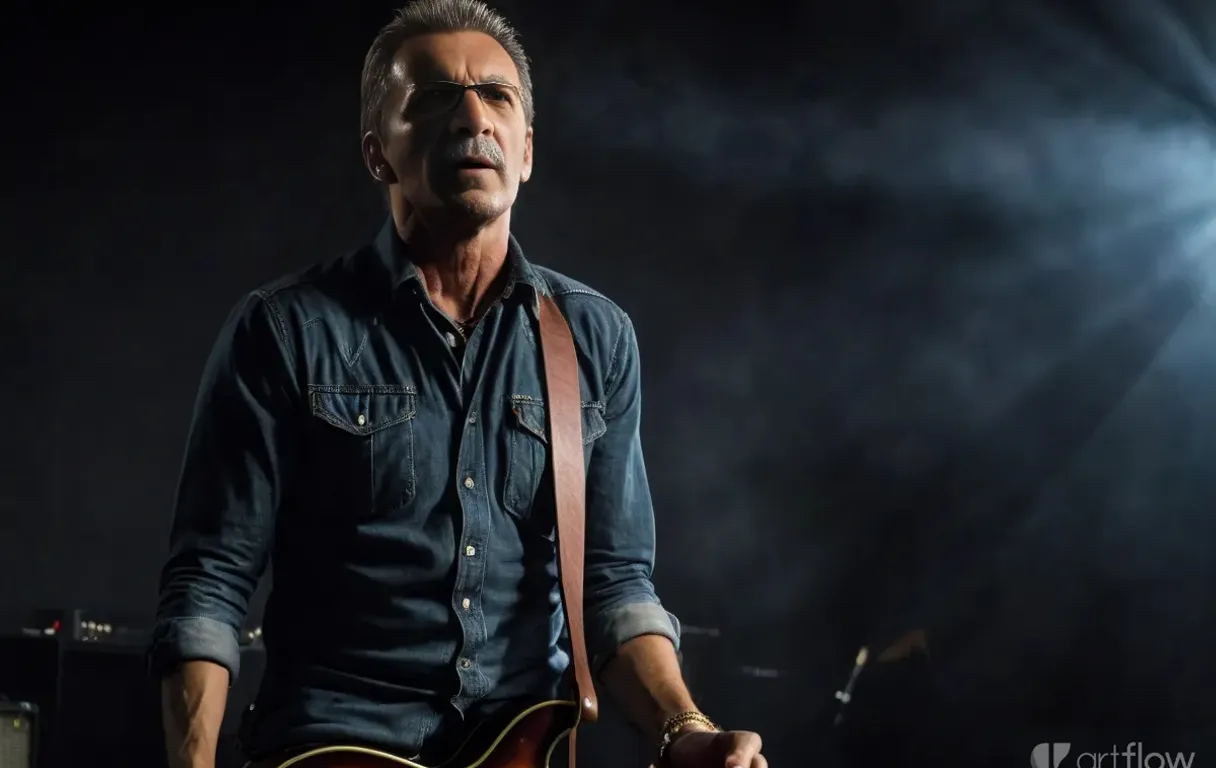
(470, 116)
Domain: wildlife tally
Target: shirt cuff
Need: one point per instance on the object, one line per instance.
(197, 638)
(621, 624)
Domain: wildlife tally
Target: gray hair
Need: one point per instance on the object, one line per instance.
(425, 17)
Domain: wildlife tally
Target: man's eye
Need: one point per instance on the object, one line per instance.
(497, 93)
(430, 96)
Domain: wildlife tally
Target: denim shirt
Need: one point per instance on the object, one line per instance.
(398, 480)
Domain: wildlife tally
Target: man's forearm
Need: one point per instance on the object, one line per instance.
(192, 702)
(644, 679)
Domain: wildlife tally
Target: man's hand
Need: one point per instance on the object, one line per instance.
(708, 749)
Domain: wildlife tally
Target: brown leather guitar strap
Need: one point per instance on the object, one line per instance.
(565, 413)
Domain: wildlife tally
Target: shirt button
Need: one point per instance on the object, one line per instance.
(451, 337)
(465, 663)
(360, 419)
(465, 603)
(470, 550)
(472, 418)
(468, 483)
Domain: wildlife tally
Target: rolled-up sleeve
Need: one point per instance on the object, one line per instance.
(231, 481)
(619, 597)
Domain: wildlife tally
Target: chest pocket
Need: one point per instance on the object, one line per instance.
(528, 454)
(364, 446)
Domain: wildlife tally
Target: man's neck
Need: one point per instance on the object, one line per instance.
(462, 274)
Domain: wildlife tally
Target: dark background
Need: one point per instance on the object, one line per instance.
(923, 292)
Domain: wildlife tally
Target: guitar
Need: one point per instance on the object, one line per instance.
(526, 736)
(520, 737)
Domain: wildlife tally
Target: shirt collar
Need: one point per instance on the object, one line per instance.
(395, 257)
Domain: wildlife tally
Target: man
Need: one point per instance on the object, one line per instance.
(376, 426)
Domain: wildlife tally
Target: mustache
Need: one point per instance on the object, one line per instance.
(468, 148)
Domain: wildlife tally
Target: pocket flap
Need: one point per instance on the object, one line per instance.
(363, 409)
(530, 416)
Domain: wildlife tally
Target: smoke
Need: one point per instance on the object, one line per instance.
(918, 300)
(1037, 115)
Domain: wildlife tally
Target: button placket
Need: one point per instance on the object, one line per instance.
(474, 501)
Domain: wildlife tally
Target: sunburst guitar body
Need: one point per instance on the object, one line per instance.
(522, 737)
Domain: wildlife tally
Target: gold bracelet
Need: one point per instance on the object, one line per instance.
(673, 724)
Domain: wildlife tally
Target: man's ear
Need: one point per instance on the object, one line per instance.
(373, 158)
(525, 173)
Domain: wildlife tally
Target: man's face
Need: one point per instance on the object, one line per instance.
(455, 151)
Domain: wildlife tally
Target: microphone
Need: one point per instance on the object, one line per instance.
(846, 695)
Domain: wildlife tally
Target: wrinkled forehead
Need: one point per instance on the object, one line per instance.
(461, 57)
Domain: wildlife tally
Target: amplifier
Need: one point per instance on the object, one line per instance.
(29, 672)
(108, 708)
(18, 734)
(88, 627)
